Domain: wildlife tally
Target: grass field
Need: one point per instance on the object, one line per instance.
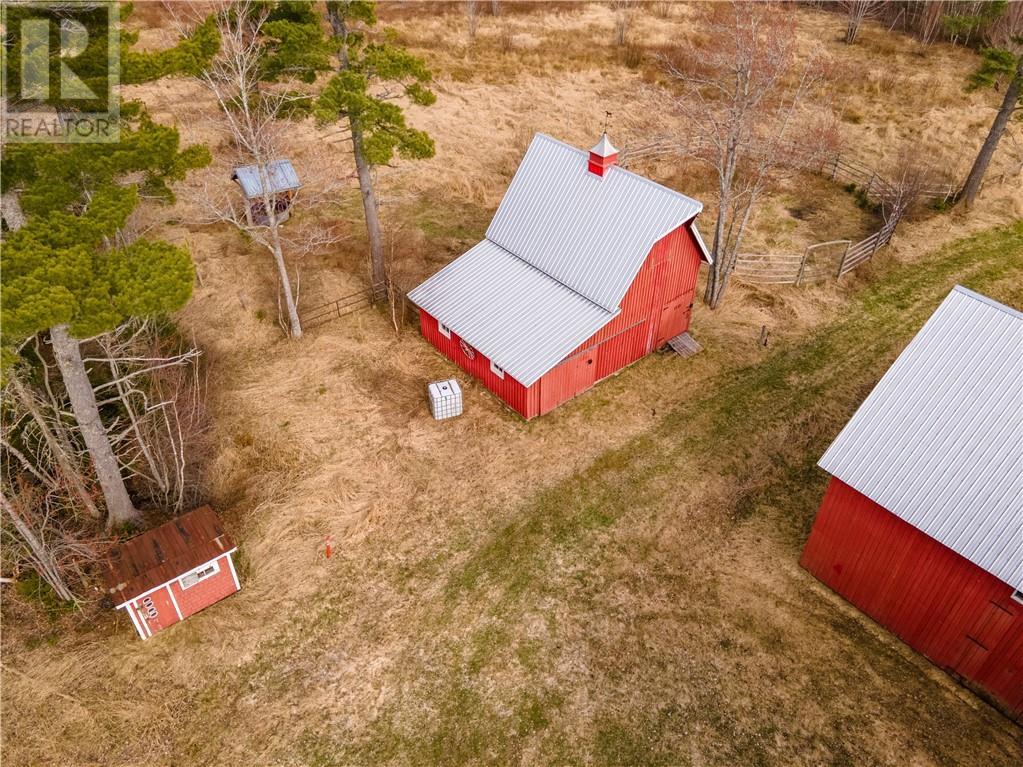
(613, 584)
(645, 608)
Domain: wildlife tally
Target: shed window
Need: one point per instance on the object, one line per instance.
(1018, 596)
(496, 369)
(444, 329)
(187, 581)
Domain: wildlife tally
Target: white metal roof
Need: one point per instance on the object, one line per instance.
(604, 147)
(281, 173)
(513, 313)
(939, 441)
(588, 232)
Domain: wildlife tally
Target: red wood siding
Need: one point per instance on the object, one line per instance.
(656, 307)
(205, 592)
(189, 601)
(507, 388)
(941, 604)
(165, 613)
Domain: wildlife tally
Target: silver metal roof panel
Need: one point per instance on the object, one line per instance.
(939, 441)
(281, 173)
(510, 311)
(588, 232)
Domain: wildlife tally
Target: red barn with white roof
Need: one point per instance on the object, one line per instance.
(166, 574)
(585, 268)
(921, 526)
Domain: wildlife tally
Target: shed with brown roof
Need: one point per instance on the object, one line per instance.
(166, 574)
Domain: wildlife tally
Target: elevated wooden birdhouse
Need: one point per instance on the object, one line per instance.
(281, 182)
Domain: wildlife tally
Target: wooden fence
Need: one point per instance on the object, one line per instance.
(838, 167)
(332, 310)
(824, 260)
(850, 171)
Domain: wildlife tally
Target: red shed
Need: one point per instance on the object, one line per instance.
(585, 268)
(921, 526)
(173, 571)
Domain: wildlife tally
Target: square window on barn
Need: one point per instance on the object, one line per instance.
(497, 370)
(1017, 596)
(444, 329)
(204, 572)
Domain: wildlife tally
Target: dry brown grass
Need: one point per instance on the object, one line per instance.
(330, 435)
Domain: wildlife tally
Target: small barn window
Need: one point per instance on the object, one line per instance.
(444, 329)
(496, 369)
(1017, 596)
(187, 581)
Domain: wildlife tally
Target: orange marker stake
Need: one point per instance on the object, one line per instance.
(328, 546)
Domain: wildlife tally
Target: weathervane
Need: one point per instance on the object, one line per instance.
(607, 119)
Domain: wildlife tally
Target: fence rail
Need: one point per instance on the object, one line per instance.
(815, 263)
(332, 310)
(837, 166)
(874, 185)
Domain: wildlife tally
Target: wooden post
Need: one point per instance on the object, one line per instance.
(834, 168)
(870, 184)
(802, 266)
(841, 262)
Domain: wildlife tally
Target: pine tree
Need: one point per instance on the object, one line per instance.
(67, 270)
(1001, 67)
(370, 74)
(376, 124)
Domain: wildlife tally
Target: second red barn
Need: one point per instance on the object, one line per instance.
(584, 269)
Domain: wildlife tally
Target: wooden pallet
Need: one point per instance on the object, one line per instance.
(685, 345)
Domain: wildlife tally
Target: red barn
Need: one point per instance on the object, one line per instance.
(921, 526)
(585, 268)
(173, 571)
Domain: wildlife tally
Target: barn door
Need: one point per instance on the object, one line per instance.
(674, 318)
(992, 626)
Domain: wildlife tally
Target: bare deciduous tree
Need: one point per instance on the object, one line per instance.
(858, 10)
(159, 392)
(911, 179)
(255, 117)
(623, 14)
(472, 19)
(38, 541)
(741, 102)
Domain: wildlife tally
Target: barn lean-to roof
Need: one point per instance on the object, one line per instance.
(579, 240)
(514, 314)
(160, 555)
(939, 441)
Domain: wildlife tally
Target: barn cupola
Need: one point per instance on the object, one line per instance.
(602, 156)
